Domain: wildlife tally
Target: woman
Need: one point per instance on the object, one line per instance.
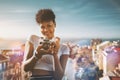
(45, 63)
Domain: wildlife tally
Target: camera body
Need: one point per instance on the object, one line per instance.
(46, 43)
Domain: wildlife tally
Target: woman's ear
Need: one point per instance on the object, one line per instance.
(55, 24)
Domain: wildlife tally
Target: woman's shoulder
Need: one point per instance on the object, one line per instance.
(64, 45)
(33, 38)
(64, 48)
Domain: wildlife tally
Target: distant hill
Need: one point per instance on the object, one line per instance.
(9, 43)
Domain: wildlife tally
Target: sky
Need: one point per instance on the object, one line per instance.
(74, 18)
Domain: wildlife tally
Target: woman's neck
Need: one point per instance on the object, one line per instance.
(49, 37)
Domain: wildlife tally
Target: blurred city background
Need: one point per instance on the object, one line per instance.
(90, 59)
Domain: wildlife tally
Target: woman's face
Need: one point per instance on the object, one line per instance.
(47, 29)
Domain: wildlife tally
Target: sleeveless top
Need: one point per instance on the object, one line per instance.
(47, 61)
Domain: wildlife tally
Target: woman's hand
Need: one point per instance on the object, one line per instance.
(55, 46)
(39, 52)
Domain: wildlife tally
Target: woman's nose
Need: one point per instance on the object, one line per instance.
(45, 29)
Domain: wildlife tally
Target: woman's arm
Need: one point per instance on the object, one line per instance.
(60, 66)
(29, 59)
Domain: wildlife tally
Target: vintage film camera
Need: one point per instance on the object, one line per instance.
(46, 43)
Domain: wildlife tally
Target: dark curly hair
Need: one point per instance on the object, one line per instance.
(45, 15)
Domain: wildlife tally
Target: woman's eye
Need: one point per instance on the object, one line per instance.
(42, 27)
